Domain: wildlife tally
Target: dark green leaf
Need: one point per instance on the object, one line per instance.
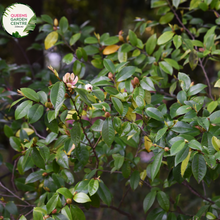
(156, 165)
(75, 133)
(104, 194)
(199, 167)
(108, 132)
(93, 186)
(149, 200)
(30, 94)
(22, 109)
(35, 113)
(163, 200)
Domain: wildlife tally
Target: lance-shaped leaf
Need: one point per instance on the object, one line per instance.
(57, 96)
(199, 167)
(109, 65)
(118, 105)
(156, 164)
(193, 59)
(93, 186)
(108, 132)
(75, 133)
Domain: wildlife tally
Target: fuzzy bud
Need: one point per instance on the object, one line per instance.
(192, 83)
(107, 115)
(110, 75)
(166, 149)
(55, 28)
(66, 95)
(54, 211)
(132, 83)
(48, 105)
(68, 201)
(55, 22)
(44, 174)
(46, 216)
(136, 81)
(88, 87)
(1, 217)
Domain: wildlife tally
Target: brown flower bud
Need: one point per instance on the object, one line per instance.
(66, 95)
(23, 152)
(54, 211)
(110, 75)
(132, 83)
(44, 174)
(166, 149)
(107, 115)
(68, 201)
(55, 28)
(1, 217)
(55, 22)
(48, 105)
(136, 81)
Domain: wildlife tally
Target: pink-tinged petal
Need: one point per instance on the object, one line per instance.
(67, 75)
(72, 76)
(75, 81)
(64, 79)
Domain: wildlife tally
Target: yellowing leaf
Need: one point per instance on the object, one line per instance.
(185, 163)
(147, 143)
(70, 113)
(143, 175)
(110, 49)
(28, 131)
(50, 39)
(217, 84)
(134, 103)
(72, 148)
(131, 116)
(216, 143)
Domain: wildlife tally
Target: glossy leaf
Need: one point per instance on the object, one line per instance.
(165, 37)
(93, 186)
(149, 200)
(156, 165)
(199, 167)
(151, 44)
(108, 132)
(22, 110)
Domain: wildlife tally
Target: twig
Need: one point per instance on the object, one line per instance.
(200, 61)
(28, 213)
(118, 210)
(207, 79)
(14, 194)
(123, 197)
(26, 57)
(36, 132)
(7, 174)
(196, 193)
(13, 175)
(203, 185)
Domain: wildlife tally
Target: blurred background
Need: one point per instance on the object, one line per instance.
(20, 60)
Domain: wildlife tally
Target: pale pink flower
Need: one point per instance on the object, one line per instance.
(88, 87)
(70, 80)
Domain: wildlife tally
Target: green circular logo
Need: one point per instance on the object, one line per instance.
(18, 20)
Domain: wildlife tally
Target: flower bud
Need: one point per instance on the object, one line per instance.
(68, 201)
(88, 87)
(166, 149)
(136, 81)
(54, 211)
(55, 22)
(44, 174)
(1, 217)
(55, 28)
(110, 75)
(46, 216)
(48, 105)
(132, 83)
(107, 115)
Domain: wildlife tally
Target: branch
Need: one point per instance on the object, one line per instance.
(200, 61)
(14, 194)
(25, 56)
(36, 132)
(13, 175)
(123, 197)
(196, 193)
(118, 210)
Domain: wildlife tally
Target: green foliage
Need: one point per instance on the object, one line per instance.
(144, 98)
